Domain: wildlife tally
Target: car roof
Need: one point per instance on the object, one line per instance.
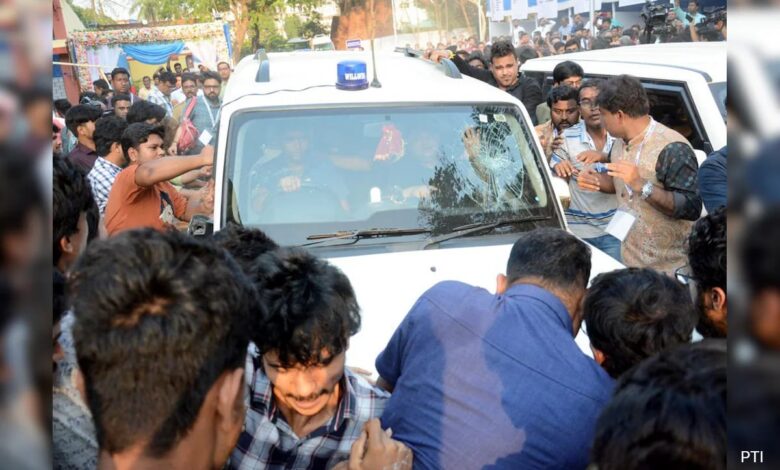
(309, 77)
(648, 60)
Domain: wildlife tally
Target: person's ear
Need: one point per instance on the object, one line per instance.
(230, 400)
(115, 146)
(719, 311)
(66, 247)
(502, 284)
(133, 154)
(598, 356)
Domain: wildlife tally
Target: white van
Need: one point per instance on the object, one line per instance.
(389, 191)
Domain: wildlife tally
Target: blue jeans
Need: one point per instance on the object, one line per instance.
(608, 244)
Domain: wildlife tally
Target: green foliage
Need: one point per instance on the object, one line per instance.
(90, 17)
(292, 26)
(313, 26)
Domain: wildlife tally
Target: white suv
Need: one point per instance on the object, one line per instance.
(429, 177)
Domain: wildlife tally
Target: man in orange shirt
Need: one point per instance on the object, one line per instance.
(142, 196)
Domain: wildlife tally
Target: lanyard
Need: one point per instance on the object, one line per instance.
(211, 115)
(648, 131)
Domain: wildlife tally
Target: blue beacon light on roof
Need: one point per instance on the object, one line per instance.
(351, 75)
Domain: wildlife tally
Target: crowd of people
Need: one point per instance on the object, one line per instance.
(230, 351)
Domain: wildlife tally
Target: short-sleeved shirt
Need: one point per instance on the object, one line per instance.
(101, 179)
(713, 180)
(268, 442)
(589, 212)
(491, 381)
(131, 206)
(202, 115)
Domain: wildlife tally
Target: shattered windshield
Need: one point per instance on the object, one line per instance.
(294, 173)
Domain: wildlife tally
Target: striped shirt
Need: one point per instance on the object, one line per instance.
(101, 179)
(589, 212)
(268, 442)
(157, 97)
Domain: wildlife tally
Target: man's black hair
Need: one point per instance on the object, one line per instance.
(501, 49)
(119, 71)
(311, 307)
(71, 195)
(707, 260)
(100, 83)
(168, 77)
(477, 56)
(145, 77)
(590, 83)
(244, 243)
(634, 313)
(121, 97)
(211, 75)
(562, 93)
(142, 110)
(525, 53)
(668, 413)
(572, 42)
(188, 77)
(222, 62)
(761, 252)
(81, 114)
(137, 134)
(624, 93)
(62, 106)
(154, 331)
(567, 69)
(552, 255)
(707, 250)
(108, 130)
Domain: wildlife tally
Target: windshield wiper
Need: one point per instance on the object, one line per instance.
(465, 230)
(355, 235)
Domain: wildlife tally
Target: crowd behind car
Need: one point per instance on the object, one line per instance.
(231, 351)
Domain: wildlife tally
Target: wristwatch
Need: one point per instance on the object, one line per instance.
(647, 190)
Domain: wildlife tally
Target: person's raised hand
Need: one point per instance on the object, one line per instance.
(628, 172)
(565, 169)
(588, 180)
(471, 141)
(290, 184)
(376, 450)
(591, 156)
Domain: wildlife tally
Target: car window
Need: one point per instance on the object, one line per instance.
(299, 172)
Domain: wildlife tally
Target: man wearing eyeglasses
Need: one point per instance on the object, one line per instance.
(705, 273)
(587, 144)
(205, 112)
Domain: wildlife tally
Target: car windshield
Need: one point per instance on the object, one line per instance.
(303, 172)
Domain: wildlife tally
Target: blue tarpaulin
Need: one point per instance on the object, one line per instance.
(149, 53)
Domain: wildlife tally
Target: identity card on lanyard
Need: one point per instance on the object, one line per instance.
(205, 136)
(624, 217)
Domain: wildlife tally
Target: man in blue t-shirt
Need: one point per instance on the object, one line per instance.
(497, 381)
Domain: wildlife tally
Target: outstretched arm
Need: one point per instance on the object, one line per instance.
(167, 168)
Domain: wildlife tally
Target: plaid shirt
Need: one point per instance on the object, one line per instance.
(157, 97)
(101, 178)
(268, 442)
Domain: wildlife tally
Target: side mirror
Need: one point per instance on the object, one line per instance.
(200, 226)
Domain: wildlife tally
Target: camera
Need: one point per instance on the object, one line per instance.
(707, 29)
(657, 23)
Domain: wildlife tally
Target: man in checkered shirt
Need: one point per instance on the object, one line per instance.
(108, 144)
(306, 410)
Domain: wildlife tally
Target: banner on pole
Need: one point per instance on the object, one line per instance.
(519, 9)
(497, 10)
(583, 6)
(547, 9)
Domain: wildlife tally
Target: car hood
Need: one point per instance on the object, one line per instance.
(387, 285)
